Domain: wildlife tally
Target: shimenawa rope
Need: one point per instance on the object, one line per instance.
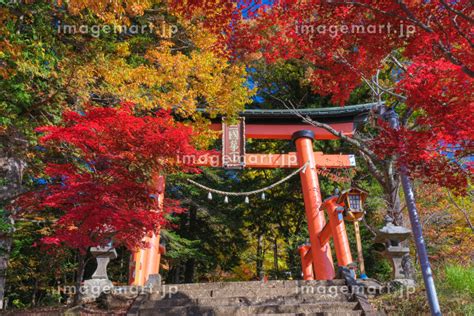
(226, 193)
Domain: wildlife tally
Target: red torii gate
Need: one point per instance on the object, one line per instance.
(317, 262)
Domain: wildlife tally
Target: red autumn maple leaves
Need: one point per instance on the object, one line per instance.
(344, 40)
(102, 186)
(343, 43)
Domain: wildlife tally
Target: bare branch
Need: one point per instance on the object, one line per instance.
(353, 141)
(370, 83)
(397, 62)
(413, 18)
(373, 169)
(406, 116)
(401, 97)
(447, 53)
(457, 12)
(464, 35)
(369, 228)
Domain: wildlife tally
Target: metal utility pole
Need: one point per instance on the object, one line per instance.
(392, 117)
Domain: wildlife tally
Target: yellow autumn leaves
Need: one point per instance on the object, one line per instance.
(110, 11)
(182, 73)
(169, 81)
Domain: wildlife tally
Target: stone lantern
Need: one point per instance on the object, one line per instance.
(392, 236)
(100, 281)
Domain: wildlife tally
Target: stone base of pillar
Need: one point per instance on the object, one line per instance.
(94, 287)
(154, 281)
(400, 283)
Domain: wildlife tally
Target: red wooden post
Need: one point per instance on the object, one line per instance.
(146, 261)
(322, 257)
(136, 267)
(154, 256)
(306, 262)
(338, 230)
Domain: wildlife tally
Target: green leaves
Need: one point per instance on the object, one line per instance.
(181, 249)
(6, 225)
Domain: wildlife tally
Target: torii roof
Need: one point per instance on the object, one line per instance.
(281, 124)
(350, 113)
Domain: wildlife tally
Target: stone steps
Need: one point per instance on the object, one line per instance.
(347, 313)
(250, 298)
(258, 284)
(246, 300)
(225, 310)
(243, 292)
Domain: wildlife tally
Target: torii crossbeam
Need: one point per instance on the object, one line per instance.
(289, 160)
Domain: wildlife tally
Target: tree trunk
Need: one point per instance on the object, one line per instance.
(35, 293)
(259, 263)
(176, 274)
(190, 264)
(392, 196)
(81, 259)
(189, 271)
(275, 257)
(11, 175)
(292, 263)
(5, 247)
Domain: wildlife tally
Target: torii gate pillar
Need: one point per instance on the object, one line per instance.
(321, 254)
(146, 261)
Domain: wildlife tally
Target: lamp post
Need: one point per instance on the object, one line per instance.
(392, 117)
(353, 200)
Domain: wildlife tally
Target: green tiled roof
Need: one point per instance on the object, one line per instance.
(349, 113)
(333, 111)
